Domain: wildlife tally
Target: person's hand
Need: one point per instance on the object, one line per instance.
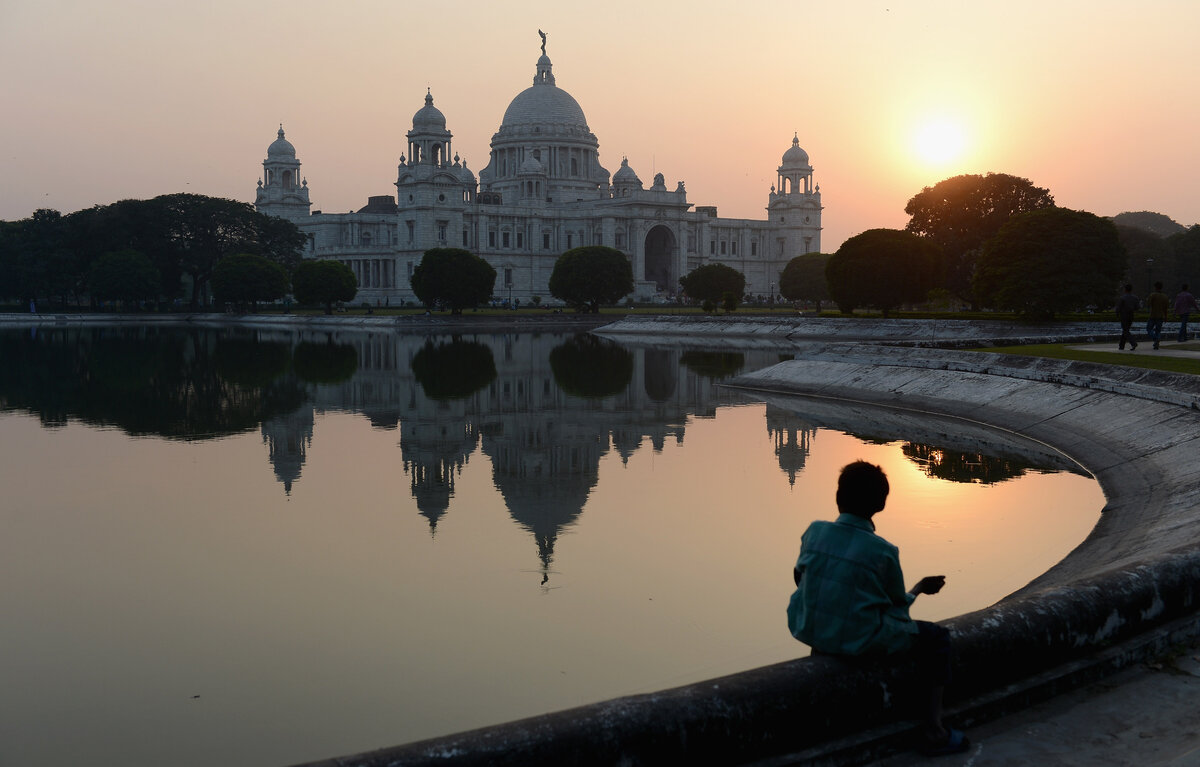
(930, 584)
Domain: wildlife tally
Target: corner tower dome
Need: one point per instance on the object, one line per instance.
(429, 117)
(281, 147)
(795, 157)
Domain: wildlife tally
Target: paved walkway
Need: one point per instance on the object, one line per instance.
(1169, 348)
(1142, 717)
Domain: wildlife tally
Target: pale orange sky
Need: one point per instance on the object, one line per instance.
(134, 98)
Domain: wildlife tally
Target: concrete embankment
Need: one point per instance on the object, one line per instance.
(1129, 590)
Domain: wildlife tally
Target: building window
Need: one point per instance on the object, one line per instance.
(366, 239)
(410, 231)
(712, 247)
(733, 247)
(620, 240)
(722, 247)
(441, 231)
(508, 277)
(754, 247)
(569, 240)
(520, 240)
(545, 241)
(465, 243)
(504, 238)
(491, 239)
(574, 167)
(410, 270)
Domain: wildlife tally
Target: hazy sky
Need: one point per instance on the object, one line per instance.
(114, 99)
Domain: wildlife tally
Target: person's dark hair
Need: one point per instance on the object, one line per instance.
(862, 489)
(1158, 286)
(1128, 288)
(1185, 287)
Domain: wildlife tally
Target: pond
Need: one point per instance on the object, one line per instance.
(255, 548)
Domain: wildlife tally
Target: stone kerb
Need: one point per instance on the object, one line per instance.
(1130, 588)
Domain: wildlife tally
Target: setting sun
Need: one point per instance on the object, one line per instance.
(940, 141)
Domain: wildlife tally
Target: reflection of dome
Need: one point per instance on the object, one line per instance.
(281, 147)
(795, 157)
(288, 438)
(429, 117)
(432, 453)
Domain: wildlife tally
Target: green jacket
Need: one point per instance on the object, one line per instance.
(850, 597)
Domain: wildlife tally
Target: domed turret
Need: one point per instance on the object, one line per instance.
(281, 190)
(795, 157)
(429, 117)
(281, 147)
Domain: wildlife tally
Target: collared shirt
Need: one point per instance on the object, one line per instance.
(850, 597)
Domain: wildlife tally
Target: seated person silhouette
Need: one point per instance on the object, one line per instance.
(850, 598)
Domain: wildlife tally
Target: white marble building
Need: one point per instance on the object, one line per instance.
(542, 192)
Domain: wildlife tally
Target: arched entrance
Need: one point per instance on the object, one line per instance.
(660, 257)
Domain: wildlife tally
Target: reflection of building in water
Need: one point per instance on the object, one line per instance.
(792, 437)
(432, 452)
(544, 445)
(287, 438)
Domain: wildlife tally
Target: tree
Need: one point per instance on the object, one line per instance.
(123, 276)
(453, 370)
(323, 282)
(1148, 257)
(961, 213)
(712, 281)
(803, 279)
(882, 268)
(1158, 224)
(247, 278)
(453, 276)
(590, 367)
(1049, 261)
(591, 275)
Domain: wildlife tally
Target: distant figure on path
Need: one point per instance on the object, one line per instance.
(1127, 304)
(850, 598)
(1185, 304)
(32, 306)
(1158, 303)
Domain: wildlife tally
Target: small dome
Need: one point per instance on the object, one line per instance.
(625, 174)
(464, 173)
(429, 117)
(531, 165)
(795, 157)
(281, 147)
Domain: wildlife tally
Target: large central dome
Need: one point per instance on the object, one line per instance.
(544, 103)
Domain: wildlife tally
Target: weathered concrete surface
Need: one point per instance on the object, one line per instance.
(469, 322)
(1128, 591)
(790, 328)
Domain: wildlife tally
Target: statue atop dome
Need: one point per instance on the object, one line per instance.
(543, 36)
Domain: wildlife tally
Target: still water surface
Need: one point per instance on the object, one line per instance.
(264, 548)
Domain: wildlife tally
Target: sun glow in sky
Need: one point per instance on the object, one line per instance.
(130, 99)
(940, 141)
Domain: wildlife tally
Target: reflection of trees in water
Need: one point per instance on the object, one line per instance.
(453, 370)
(715, 365)
(661, 374)
(145, 381)
(965, 467)
(326, 363)
(591, 367)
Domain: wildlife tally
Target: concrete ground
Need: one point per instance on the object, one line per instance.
(1145, 716)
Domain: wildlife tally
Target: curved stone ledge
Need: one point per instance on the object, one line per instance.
(1129, 590)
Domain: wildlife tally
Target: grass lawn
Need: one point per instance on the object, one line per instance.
(1144, 357)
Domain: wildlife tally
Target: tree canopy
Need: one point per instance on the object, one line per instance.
(1158, 224)
(245, 278)
(961, 213)
(50, 255)
(323, 282)
(454, 277)
(882, 268)
(590, 367)
(1049, 261)
(453, 370)
(591, 275)
(803, 279)
(126, 275)
(713, 282)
